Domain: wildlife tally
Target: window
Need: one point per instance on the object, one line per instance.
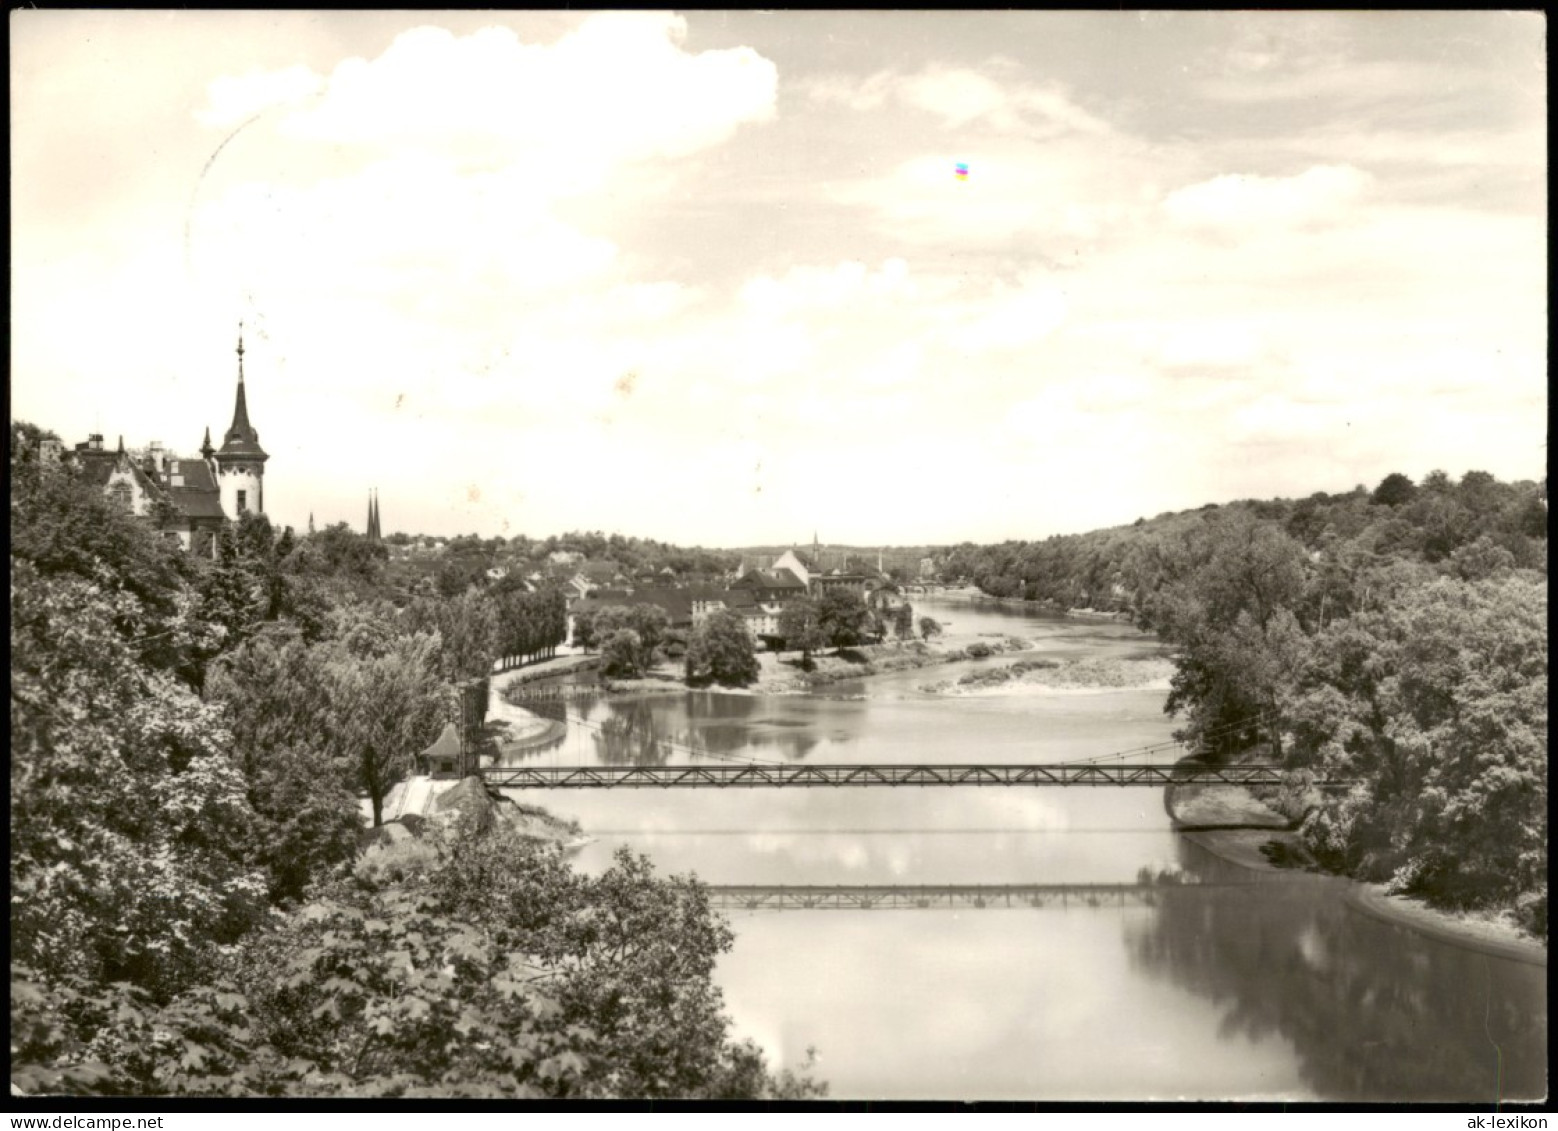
(243, 501)
(119, 493)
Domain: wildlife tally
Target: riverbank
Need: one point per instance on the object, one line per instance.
(519, 730)
(1234, 825)
(970, 593)
(419, 799)
(780, 673)
(1045, 675)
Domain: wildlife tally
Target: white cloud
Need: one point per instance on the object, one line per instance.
(958, 96)
(1210, 343)
(1065, 190)
(1236, 202)
(963, 97)
(234, 99)
(619, 88)
(1010, 321)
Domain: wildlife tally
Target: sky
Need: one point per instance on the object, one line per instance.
(743, 278)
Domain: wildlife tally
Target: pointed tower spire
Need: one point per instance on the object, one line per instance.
(206, 450)
(310, 522)
(242, 441)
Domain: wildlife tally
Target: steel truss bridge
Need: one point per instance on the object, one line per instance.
(748, 776)
(919, 897)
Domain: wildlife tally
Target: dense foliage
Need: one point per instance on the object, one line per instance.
(190, 738)
(1396, 638)
(721, 651)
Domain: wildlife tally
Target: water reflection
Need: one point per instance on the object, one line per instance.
(1271, 991)
(1374, 1012)
(661, 729)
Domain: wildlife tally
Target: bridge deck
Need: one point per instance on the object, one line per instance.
(906, 897)
(738, 775)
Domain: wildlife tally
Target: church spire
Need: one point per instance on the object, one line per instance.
(373, 514)
(206, 450)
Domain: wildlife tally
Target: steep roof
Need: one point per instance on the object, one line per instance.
(447, 745)
(198, 495)
(241, 441)
(771, 579)
(98, 467)
(677, 603)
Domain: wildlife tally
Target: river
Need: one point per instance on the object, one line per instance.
(1257, 987)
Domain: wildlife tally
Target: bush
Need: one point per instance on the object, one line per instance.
(1531, 913)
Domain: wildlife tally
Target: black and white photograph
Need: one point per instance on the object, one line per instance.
(794, 557)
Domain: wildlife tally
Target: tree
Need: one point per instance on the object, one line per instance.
(129, 823)
(1229, 609)
(351, 560)
(469, 628)
(843, 618)
(584, 629)
(651, 622)
(385, 708)
(1393, 490)
(903, 621)
(276, 699)
(1481, 559)
(721, 651)
(929, 627)
(801, 629)
(478, 965)
(622, 654)
(1435, 705)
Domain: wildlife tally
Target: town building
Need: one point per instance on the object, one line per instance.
(772, 586)
(186, 499)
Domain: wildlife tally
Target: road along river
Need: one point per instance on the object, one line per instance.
(1254, 985)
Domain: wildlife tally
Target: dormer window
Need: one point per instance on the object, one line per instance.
(119, 494)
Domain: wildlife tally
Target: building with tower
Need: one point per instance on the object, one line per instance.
(240, 461)
(187, 499)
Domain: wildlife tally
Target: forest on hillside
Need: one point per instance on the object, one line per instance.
(192, 741)
(1395, 638)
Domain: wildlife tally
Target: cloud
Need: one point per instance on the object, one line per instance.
(1237, 202)
(1218, 344)
(234, 99)
(619, 88)
(963, 97)
(1070, 191)
(1010, 321)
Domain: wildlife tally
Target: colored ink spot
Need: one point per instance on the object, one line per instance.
(962, 171)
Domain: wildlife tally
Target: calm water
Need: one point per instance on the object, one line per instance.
(1270, 989)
